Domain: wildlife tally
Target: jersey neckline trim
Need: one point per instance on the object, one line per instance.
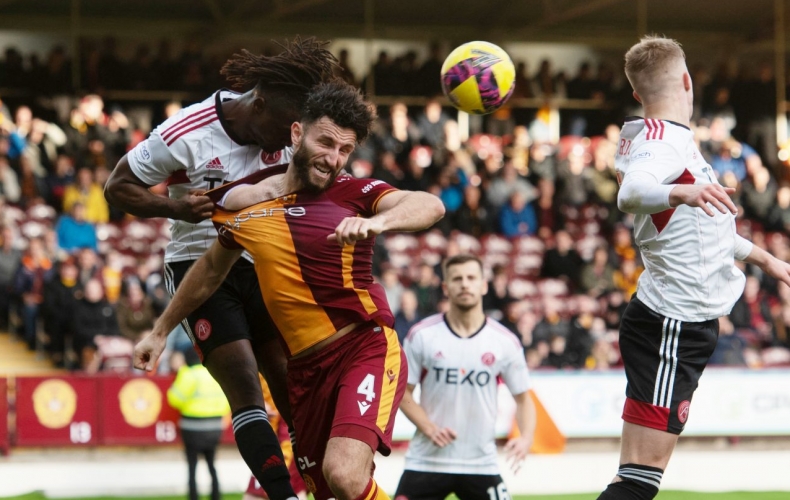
(634, 118)
(444, 318)
(225, 125)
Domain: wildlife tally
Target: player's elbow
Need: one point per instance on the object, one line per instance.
(435, 208)
(628, 201)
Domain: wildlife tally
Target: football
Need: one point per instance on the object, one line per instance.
(478, 77)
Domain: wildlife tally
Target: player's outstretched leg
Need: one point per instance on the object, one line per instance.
(634, 482)
(644, 454)
(233, 366)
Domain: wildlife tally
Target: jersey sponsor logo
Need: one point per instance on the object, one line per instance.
(460, 376)
(238, 219)
(144, 152)
(683, 411)
(215, 164)
(371, 185)
(488, 359)
(271, 158)
(643, 156)
(203, 329)
(363, 407)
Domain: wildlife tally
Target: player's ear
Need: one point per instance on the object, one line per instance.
(636, 96)
(686, 81)
(297, 132)
(258, 103)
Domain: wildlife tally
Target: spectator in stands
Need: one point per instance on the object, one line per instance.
(498, 297)
(43, 142)
(58, 180)
(86, 191)
(508, 182)
(562, 261)
(623, 247)
(60, 299)
(399, 134)
(93, 316)
(779, 216)
(626, 277)
(392, 287)
(724, 153)
(475, 216)
(518, 218)
(597, 277)
(574, 179)
(135, 311)
(551, 325)
(112, 276)
(9, 181)
(31, 277)
(758, 195)
(10, 258)
(603, 175)
(429, 82)
(344, 69)
(89, 265)
(427, 287)
(751, 315)
(74, 232)
(431, 124)
(730, 347)
(32, 185)
(407, 315)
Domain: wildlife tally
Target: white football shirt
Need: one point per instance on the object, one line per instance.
(192, 150)
(458, 389)
(689, 257)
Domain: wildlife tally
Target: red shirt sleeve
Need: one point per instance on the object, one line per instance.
(362, 195)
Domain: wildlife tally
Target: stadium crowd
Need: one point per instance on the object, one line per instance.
(82, 282)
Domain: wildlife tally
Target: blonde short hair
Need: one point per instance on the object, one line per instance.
(645, 61)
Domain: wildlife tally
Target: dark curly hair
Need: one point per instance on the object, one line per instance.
(301, 65)
(343, 104)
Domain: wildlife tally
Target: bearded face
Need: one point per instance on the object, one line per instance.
(315, 176)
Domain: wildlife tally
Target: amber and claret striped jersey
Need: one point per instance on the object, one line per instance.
(193, 151)
(689, 257)
(311, 286)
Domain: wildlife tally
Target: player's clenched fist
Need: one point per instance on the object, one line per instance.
(701, 195)
(353, 229)
(148, 350)
(195, 207)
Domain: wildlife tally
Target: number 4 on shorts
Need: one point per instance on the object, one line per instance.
(366, 388)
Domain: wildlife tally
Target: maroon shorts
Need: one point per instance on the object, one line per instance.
(254, 487)
(351, 388)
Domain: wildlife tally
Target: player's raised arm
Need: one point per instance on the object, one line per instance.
(200, 282)
(126, 191)
(397, 211)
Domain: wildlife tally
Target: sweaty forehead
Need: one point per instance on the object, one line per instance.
(325, 127)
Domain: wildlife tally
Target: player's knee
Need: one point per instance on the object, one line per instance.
(344, 479)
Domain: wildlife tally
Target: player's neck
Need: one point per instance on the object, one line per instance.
(290, 182)
(670, 110)
(465, 323)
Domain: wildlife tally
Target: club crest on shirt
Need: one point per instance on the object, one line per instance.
(271, 158)
(488, 359)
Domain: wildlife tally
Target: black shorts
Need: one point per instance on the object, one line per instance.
(236, 310)
(416, 485)
(664, 359)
